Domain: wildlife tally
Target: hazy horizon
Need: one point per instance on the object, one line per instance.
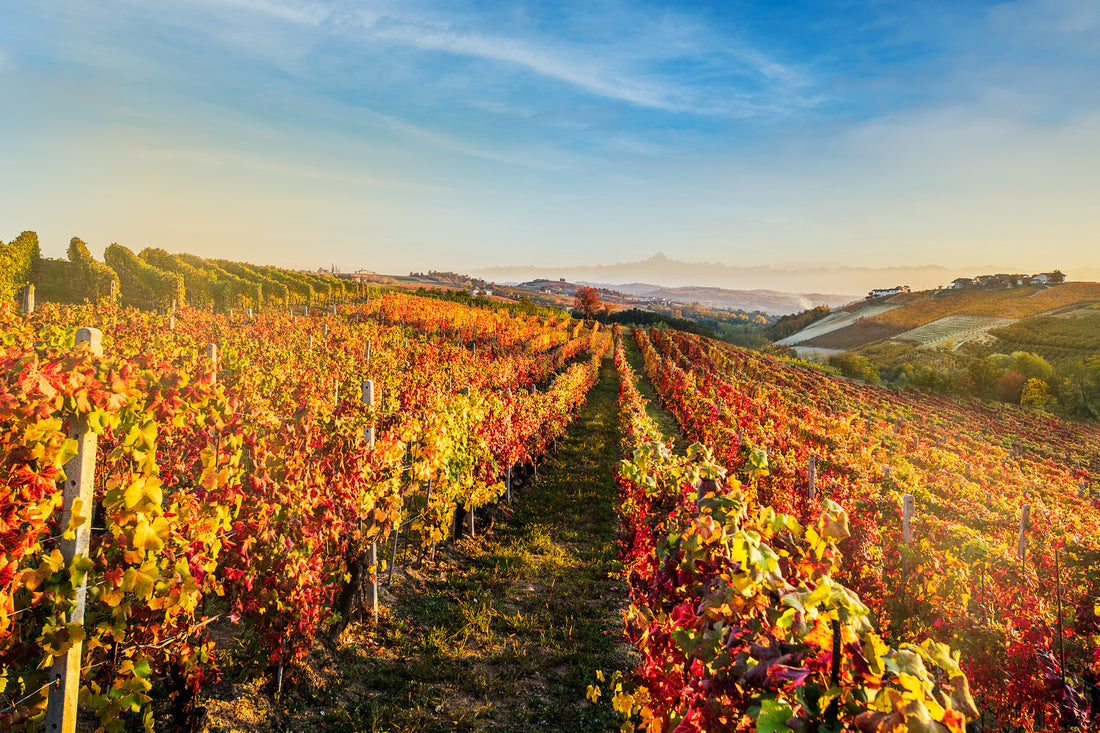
(415, 135)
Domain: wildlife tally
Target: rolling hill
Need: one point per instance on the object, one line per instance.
(950, 318)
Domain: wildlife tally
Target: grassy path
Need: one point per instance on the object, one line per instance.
(664, 419)
(503, 632)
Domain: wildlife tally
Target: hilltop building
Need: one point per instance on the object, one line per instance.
(883, 292)
(1003, 280)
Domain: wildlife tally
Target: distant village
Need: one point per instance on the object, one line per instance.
(990, 282)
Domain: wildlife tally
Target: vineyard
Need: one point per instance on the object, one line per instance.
(158, 280)
(248, 471)
(998, 556)
(825, 555)
(1056, 338)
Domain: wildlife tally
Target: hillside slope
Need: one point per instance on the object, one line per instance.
(936, 317)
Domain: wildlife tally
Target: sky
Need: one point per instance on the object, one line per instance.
(458, 134)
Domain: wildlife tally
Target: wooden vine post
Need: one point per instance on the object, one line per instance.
(76, 510)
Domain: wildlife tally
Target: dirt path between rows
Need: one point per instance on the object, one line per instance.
(503, 632)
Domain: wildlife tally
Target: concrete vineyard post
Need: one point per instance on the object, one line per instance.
(28, 300)
(811, 471)
(907, 519)
(306, 312)
(1021, 548)
(250, 312)
(368, 400)
(171, 323)
(366, 352)
(77, 498)
(212, 356)
(311, 343)
(372, 581)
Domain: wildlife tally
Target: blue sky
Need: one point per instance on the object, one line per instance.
(453, 135)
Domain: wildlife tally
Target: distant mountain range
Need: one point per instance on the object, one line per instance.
(852, 281)
(767, 301)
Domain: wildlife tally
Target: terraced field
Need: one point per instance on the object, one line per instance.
(956, 329)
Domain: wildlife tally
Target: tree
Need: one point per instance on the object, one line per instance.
(984, 376)
(1010, 387)
(1035, 394)
(855, 366)
(587, 301)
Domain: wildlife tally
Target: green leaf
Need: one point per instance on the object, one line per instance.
(773, 717)
(142, 669)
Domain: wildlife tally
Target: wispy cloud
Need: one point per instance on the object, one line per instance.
(627, 67)
(589, 75)
(623, 65)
